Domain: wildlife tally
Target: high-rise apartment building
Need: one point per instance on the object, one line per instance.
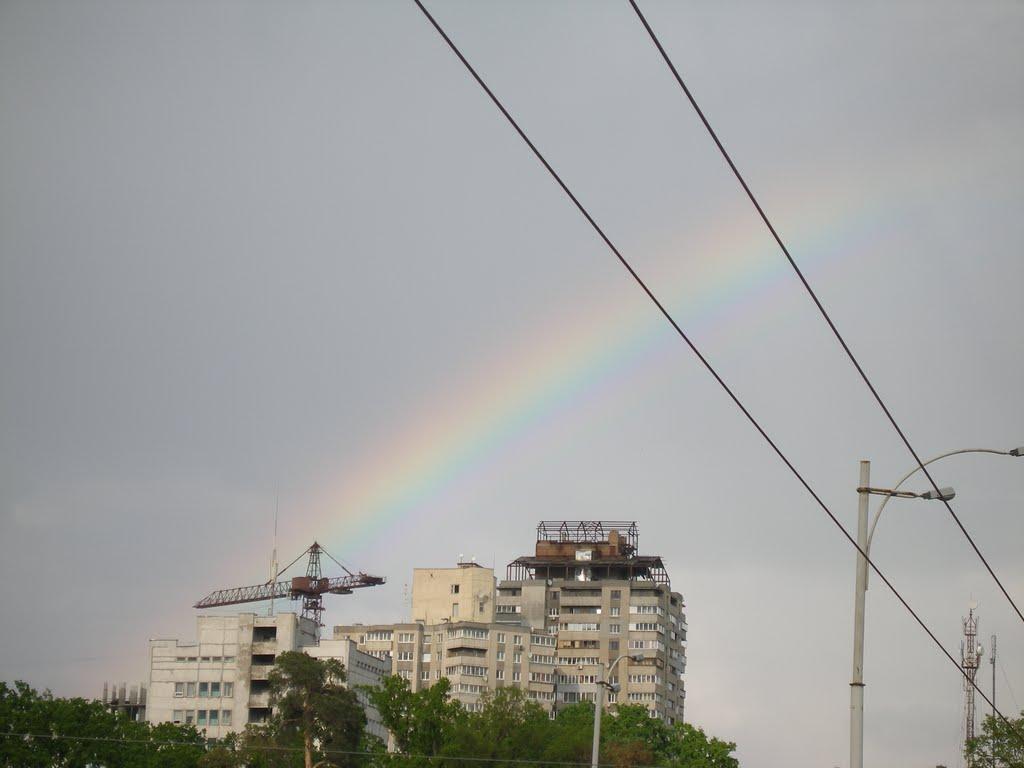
(585, 597)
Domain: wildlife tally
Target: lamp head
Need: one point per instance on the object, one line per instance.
(1018, 451)
(944, 494)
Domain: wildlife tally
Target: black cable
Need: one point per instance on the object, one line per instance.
(817, 301)
(707, 365)
(325, 750)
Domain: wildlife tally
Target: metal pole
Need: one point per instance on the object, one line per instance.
(857, 681)
(598, 706)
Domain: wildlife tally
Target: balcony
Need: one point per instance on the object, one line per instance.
(260, 699)
(260, 671)
(264, 647)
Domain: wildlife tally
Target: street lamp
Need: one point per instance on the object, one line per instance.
(864, 538)
(599, 703)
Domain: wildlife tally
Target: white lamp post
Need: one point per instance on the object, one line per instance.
(864, 538)
(599, 703)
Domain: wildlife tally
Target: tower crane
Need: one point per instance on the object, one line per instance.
(310, 589)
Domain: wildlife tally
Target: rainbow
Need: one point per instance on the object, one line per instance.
(715, 297)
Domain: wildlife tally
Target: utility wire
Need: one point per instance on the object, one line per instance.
(817, 301)
(326, 751)
(693, 347)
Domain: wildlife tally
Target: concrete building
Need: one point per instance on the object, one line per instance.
(220, 682)
(463, 593)
(361, 669)
(582, 599)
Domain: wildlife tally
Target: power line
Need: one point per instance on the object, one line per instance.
(693, 347)
(817, 301)
(326, 751)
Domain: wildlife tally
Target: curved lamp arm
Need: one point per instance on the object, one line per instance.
(878, 514)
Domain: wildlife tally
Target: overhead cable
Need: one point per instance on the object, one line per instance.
(818, 304)
(693, 347)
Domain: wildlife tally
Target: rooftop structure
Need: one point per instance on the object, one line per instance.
(588, 550)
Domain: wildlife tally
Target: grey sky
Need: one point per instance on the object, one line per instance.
(243, 243)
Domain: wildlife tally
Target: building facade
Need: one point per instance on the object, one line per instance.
(221, 682)
(583, 599)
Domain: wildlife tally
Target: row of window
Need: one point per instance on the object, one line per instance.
(645, 679)
(206, 690)
(202, 716)
(652, 645)
(646, 626)
(206, 659)
(466, 669)
(653, 610)
(473, 633)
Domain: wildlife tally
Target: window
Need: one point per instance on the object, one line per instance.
(425, 658)
(500, 656)
(455, 610)
(376, 636)
(215, 690)
(229, 689)
(645, 626)
(215, 659)
(518, 676)
(179, 715)
(405, 674)
(190, 716)
(455, 589)
(229, 659)
(406, 637)
(517, 658)
(190, 689)
(204, 690)
(204, 659)
(214, 717)
(613, 645)
(502, 608)
(615, 610)
(499, 675)
(614, 628)
(179, 689)
(517, 639)
(501, 637)
(404, 656)
(424, 674)
(616, 594)
(225, 717)
(201, 717)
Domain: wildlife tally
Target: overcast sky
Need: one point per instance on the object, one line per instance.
(252, 250)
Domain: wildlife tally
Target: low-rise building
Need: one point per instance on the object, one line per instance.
(221, 682)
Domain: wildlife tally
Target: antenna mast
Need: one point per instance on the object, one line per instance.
(992, 661)
(970, 657)
(273, 555)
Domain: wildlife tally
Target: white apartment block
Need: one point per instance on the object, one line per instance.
(585, 598)
(220, 682)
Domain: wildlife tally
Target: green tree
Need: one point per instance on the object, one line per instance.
(571, 733)
(506, 726)
(220, 757)
(75, 733)
(313, 704)
(998, 743)
(421, 722)
(692, 748)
